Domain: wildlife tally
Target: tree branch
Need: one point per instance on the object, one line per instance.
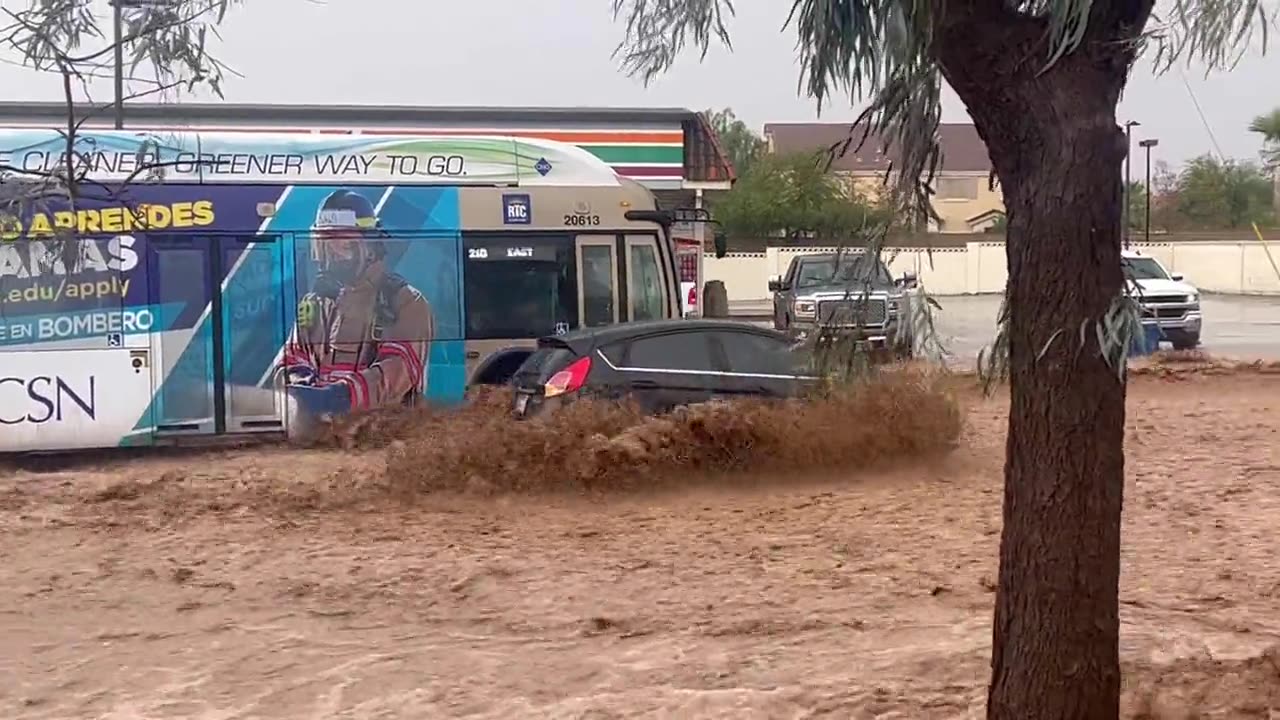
(659, 30)
(140, 33)
(49, 35)
(1216, 34)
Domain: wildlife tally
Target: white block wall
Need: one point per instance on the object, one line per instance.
(1236, 268)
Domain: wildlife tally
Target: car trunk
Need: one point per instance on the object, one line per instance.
(530, 379)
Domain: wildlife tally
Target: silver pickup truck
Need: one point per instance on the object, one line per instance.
(848, 293)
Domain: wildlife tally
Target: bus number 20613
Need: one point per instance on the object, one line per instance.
(575, 219)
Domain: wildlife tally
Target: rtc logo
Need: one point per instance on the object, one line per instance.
(516, 210)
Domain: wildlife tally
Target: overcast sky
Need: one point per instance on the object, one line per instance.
(557, 52)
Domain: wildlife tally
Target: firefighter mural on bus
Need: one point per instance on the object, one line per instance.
(363, 333)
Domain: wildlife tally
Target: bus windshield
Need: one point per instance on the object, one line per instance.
(519, 286)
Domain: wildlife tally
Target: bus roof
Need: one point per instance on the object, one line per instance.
(305, 158)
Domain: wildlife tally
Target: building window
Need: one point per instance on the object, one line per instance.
(962, 188)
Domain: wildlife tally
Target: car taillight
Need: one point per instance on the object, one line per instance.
(569, 379)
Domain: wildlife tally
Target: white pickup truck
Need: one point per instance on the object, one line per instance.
(1166, 298)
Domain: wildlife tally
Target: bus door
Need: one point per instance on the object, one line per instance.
(622, 278)
(218, 306)
(647, 282)
(254, 326)
(598, 286)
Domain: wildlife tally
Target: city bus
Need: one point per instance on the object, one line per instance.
(204, 284)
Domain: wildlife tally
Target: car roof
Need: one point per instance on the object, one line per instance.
(853, 253)
(584, 339)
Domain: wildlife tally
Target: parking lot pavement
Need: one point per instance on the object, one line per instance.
(1240, 327)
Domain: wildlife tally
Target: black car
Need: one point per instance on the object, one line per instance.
(661, 365)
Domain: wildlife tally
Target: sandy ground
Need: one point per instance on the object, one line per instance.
(178, 587)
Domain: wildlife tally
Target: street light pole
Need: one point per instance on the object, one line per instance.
(117, 21)
(1128, 151)
(1147, 145)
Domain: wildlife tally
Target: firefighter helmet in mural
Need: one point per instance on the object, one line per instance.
(346, 236)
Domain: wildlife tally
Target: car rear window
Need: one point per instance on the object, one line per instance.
(684, 350)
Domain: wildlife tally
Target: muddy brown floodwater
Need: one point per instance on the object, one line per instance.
(177, 587)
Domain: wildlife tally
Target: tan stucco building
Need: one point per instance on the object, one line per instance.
(964, 198)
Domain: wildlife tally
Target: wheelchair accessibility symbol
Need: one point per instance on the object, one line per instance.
(115, 340)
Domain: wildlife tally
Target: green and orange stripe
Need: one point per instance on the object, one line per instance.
(639, 154)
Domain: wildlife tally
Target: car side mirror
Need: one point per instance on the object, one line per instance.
(721, 242)
(775, 284)
(1177, 277)
(908, 280)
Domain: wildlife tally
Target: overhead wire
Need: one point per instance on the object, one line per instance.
(1217, 149)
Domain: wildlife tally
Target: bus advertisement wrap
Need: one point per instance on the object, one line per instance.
(284, 158)
(200, 308)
